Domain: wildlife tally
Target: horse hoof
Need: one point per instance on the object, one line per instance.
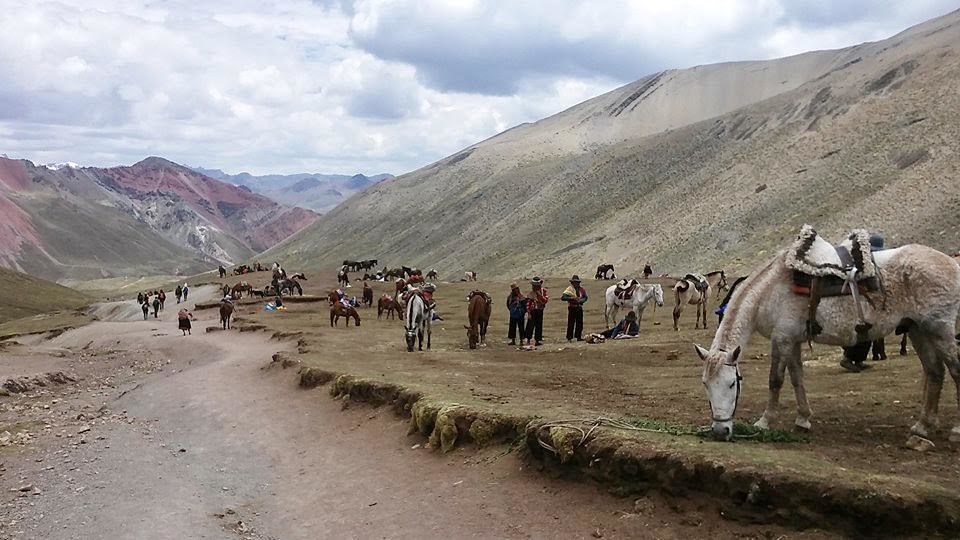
(802, 425)
(955, 435)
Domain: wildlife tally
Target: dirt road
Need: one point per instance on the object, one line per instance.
(187, 437)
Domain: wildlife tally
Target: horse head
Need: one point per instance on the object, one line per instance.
(473, 336)
(658, 293)
(721, 379)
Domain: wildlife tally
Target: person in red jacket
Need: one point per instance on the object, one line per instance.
(536, 302)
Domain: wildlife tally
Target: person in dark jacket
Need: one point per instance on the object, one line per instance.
(575, 296)
(145, 307)
(627, 326)
(536, 303)
(156, 306)
(179, 293)
(517, 306)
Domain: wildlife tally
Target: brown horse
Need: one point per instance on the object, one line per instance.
(390, 305)
(226, 313)
(367, 295)
(343, 278)
(478, 312)
(338, 310)
(237, 291)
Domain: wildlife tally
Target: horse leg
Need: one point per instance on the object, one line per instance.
(677, 310)
(795, 365)
(932, 352)
(777, 369)
(430, 328)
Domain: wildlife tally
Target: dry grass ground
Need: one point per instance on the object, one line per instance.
(861, 420)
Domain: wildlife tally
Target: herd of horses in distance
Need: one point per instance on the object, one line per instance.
(919, 297)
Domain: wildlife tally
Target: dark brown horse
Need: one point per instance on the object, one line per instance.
(389, 305)
(226, 313)
(367, 295)
(605, 271)
(478, 312)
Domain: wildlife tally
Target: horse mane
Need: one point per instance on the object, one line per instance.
(715, 272)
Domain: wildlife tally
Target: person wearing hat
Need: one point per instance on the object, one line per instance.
(517, 306)
(628, 326)
(854, 356)
(536, 302)
(575, 296)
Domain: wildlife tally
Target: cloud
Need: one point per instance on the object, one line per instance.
(369, 86)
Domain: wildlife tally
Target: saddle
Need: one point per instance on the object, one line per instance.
(486, 296)
(698, 280)
(822, 270)
(625, 288)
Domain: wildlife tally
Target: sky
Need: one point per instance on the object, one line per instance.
(370, 86)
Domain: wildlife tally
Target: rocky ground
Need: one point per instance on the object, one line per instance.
(129, 430)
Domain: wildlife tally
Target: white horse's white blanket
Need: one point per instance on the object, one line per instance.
(812, 255)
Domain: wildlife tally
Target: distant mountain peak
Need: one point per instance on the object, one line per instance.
(156, 163)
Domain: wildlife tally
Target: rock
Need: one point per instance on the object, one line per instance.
(673, 355)
(597, 533)
(920, 444)
(83, 429)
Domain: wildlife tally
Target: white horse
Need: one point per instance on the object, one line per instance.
(417, 322)
(921, 294)
(636, 303)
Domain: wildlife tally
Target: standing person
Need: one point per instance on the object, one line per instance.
(139, 298)
(156, 306)
(186, 290)
(517, 306)
(163, 298)
(145, 307)
(575, 296)
(536, 303)
(179, 292)
(183, 321)
(647, 271)
(223, 271)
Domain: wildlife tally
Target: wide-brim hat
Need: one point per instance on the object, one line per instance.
(575, 279)
(536, 281)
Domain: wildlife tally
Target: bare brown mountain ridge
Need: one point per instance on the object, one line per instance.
(694, 169)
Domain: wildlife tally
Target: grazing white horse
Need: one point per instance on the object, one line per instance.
(417, 322)
(636, 303)
(921, 293)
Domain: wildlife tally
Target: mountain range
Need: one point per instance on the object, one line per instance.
(692, 169)
(318, 192)
(154, 217)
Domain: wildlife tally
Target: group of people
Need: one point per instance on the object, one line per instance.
(526, 314)
(159, 297)
(182, 291)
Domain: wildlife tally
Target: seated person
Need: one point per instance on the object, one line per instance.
(626, 328)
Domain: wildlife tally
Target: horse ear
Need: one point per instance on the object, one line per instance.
(733, 355)
(701, 352)
(467, 327)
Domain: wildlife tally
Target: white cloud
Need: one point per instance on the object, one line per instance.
(371, 86)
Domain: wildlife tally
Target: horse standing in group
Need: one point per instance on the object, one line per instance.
(605, 271)
(236, 292)
(432, 274)
(292, 283)
(417, 323)
(338, 309)
(343, 278)
(470, 276)
(920, 295)
(690, 290)
(367, 295)
(478, 313)
(635, 301)
(226, 313)
(390, 305)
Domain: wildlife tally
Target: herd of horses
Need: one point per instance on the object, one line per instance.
(918, 296)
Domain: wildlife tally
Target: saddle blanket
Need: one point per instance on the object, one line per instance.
(812, 255)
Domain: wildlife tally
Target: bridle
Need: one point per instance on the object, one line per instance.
(736, 400)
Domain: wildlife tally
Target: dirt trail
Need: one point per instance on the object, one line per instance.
(189, 438)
